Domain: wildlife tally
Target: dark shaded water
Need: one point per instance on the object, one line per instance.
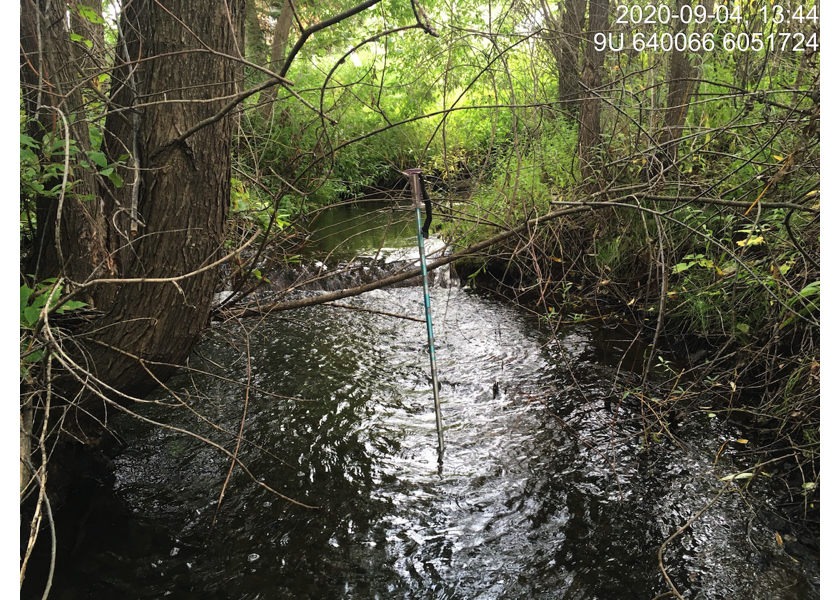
(544, 492)
(347, 229)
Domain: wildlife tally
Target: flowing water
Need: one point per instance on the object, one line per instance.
(544, 491)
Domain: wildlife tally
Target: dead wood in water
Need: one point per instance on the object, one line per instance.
(584, 206)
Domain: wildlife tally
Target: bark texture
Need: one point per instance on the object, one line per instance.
(173, 72)
(52, 96)
(568, 57)
(279, 43)
(184, 188)
(682, 73)
(589, 136)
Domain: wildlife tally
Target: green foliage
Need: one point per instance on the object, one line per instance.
(692, 259)
(89, 14)
(740, 274)
(250, 208)
(805, 302)
(730, 272)
(39, 175)
(33, 301)
(556, 151)
(42, 164)
(249, 203)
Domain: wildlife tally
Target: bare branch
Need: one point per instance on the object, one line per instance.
(304, 35)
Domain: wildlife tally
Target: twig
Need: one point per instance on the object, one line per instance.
(135, 136)
(53, 539)
(705, 236)
(663, 294)
(79, 287)
(815, 263)
(64, 178)
(241, 428)
(717, 201)
(679, 532)
(88, 379)
(375, 312)
(304, 35)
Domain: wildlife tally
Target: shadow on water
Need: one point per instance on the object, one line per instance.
(544, 491)
(347, 229)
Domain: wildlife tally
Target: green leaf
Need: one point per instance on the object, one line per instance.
(70, 305)
(95, 135)
(98, 158)
(30, 315)
(116, 179)
(810, 289)
(107, 172)
(40, 300)
(34, 357)
(76, 37)
(91, 15)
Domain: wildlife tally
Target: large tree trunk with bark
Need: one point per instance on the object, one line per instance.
(563, 39)
(175, 65)
(53, 99)
(568, 80)
(682, 75)
(589, 136)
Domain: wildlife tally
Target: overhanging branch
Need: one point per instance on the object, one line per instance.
(304, 35)
(399, 277)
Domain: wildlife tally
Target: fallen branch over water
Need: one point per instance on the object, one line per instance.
(497, 239)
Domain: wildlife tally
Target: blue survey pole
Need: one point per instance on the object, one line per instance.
(418, 196)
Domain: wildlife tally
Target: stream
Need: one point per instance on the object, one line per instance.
(544, 490)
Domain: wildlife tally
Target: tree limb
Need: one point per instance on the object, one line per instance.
(304, 35)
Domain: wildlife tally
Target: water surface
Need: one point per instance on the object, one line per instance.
(545, 490)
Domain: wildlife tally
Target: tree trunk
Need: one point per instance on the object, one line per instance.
(176, 195)
(563, 39)
(52, 98)
(589, 136)
(682, 74)
(282, 30)
(568, 80)
(256, 50)
(281, 36)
